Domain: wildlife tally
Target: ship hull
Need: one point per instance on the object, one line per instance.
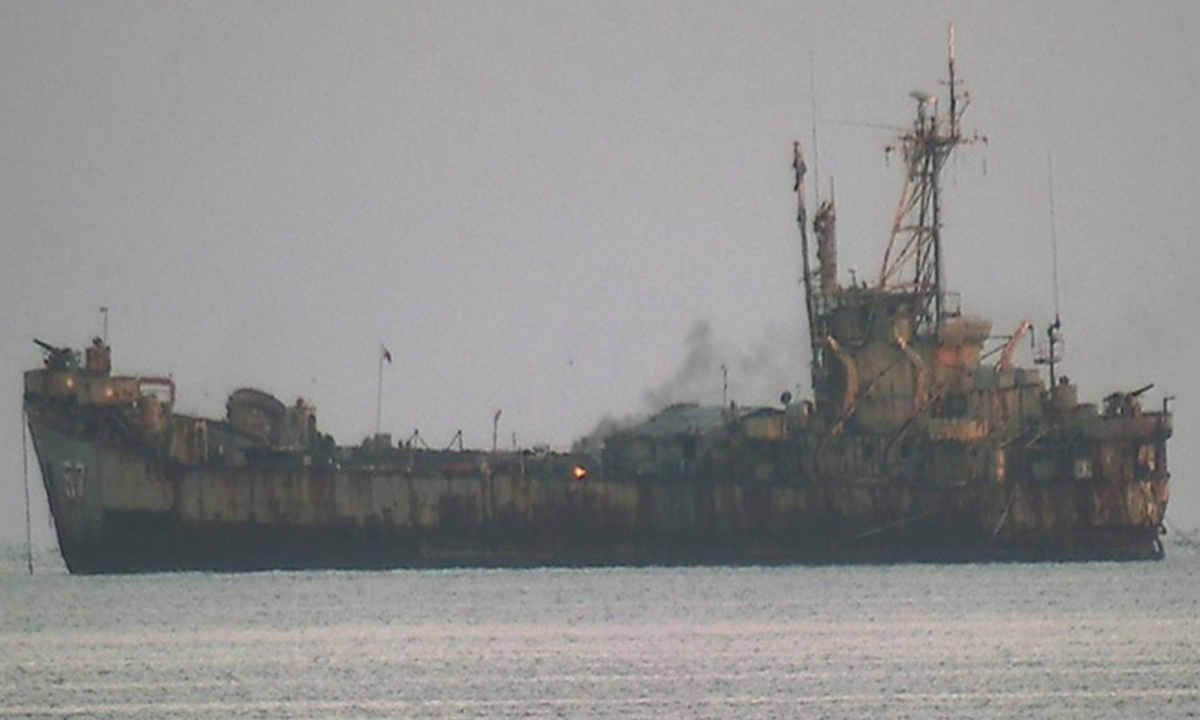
(137, 543)
(119, 509)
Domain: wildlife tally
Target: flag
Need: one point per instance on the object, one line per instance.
(387, 355)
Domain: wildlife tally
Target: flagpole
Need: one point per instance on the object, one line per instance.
(379, 391)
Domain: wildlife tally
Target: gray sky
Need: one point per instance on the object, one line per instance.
(542, 207)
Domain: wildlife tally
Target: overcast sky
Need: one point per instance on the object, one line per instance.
(544, 207)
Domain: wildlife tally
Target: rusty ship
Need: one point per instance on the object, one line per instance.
(922, 441)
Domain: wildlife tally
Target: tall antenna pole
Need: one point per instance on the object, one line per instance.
(935, 190)
(953, 90)
(1053, 332)
(1053, 231)
(812, 96)
(104, 313)
(802, 220)
(383, 355)
(938, 268)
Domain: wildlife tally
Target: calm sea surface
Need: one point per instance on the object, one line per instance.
(1001, 641)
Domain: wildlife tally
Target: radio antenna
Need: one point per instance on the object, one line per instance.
(1053, 231)
(812, 98)
(1054, 332)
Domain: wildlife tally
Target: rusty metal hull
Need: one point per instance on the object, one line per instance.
(117, 510)
(139, 544)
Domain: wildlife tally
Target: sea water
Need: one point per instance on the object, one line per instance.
(1097, 640)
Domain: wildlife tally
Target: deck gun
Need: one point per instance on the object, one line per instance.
(58, 358)
(1125, 403)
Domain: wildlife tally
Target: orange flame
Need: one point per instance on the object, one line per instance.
(579, 472)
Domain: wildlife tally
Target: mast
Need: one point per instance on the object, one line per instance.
(912, 261)
(385, 355)
(801, 168)
(1052, 353)
(1053, 333)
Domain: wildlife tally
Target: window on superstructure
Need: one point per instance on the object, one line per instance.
(951, 406)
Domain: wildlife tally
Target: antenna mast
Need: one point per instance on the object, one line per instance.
(801, 168)
(916, 242)
(812, 95)
(1053, 232)
(1052, 354)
